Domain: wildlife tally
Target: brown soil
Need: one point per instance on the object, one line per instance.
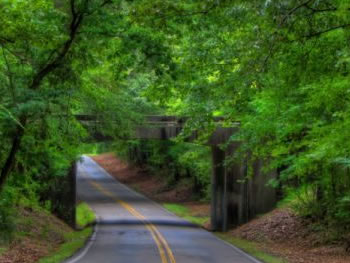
(281, 232)
(154, 187)
(42, 233)
(287, 235)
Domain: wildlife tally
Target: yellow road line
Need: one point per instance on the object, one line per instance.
(156, 235)
(168, 249)
(159, 246)
(153, 227)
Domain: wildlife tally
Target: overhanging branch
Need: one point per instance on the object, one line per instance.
(319, 33)
(292, 11)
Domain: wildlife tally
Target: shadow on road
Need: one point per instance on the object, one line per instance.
(157, 222)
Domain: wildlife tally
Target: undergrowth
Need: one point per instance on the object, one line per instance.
(84, 216)
(303, 202)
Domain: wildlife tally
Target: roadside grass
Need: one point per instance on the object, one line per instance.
(74, 240)
(4, 243)
(184, 212)
(251, 248)
(2, 250)
(84, 216)
(247, 246)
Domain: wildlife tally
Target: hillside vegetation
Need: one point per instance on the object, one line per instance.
(278, 68)
(41, 237)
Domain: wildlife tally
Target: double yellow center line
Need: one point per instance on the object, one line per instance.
(165, 252)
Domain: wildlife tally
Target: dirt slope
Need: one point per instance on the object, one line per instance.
(37, 234)
(285, 234)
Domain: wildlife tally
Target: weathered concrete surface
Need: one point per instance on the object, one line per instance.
(236, 196)
(157, 127)
(123, 238)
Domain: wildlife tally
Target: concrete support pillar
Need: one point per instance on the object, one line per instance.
(224, 207)
(219, 213)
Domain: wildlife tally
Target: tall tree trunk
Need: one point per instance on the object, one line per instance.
(37, 80)
(11, 158)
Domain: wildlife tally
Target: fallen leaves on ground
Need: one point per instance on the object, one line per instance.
(283, 233)
(38, 234)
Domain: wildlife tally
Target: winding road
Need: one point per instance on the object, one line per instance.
(134, 229)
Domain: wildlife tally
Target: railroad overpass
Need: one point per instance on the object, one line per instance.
(236, 197)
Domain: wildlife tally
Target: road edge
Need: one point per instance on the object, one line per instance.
(80, 253)
(252, 258)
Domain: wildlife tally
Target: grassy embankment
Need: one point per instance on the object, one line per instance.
(184, 212)
(251, 248)
(41, 237)
(74, 240)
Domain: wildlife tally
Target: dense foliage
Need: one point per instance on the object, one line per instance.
(182, 164)
(59, 59)
(280, 68)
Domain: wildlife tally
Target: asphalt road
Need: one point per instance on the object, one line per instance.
(134, 229)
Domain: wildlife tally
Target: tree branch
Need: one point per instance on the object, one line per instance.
(18, 56)
(6, 40)
(9, 75)
(11, 159)
(316, 34)
(106, 2)
(77, 19)
(292, 11)
(72, 8)
(201, 12)
(75, 23)
(315, 10)
(19, 133)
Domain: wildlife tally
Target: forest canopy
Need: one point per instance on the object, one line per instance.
(280, 68)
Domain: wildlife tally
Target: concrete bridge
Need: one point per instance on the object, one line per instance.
(236, 197)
